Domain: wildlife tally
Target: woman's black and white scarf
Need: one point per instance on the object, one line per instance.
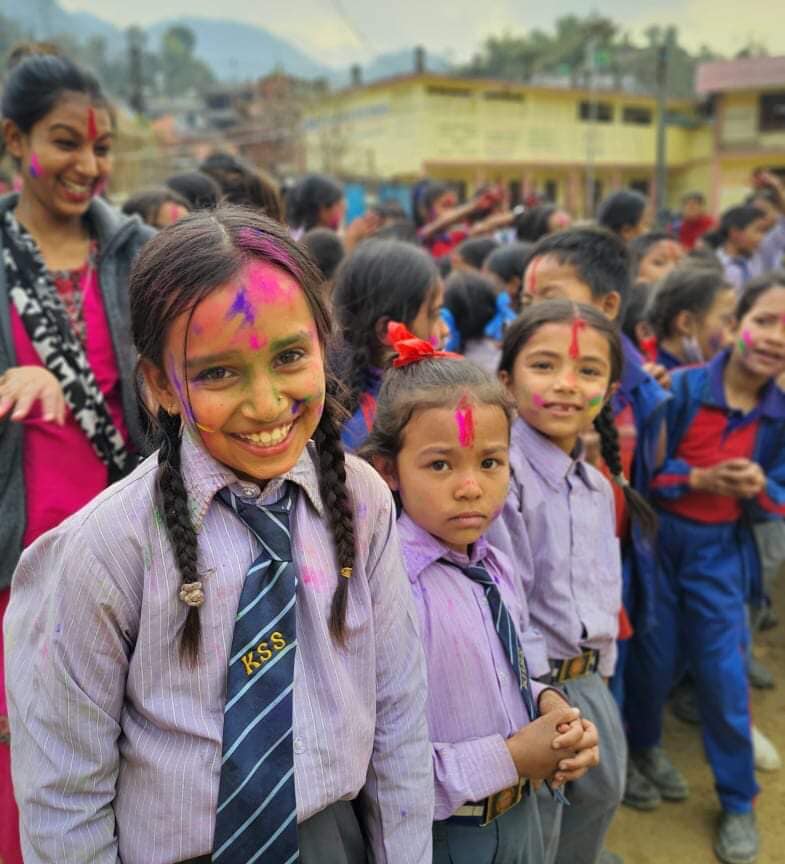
(33, 293)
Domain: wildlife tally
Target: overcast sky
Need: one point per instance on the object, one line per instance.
(342, 31)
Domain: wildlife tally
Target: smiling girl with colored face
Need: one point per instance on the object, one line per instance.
(233, 611)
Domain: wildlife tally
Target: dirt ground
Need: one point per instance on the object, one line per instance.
(682, 833)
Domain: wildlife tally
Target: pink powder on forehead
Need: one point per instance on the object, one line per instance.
(267, 286)
(464, 420)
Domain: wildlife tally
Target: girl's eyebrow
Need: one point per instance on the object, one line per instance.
(207, 359)
(287, 341)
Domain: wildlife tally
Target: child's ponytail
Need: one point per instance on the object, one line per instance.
(637, 506)
(337, 504)
(177, 521)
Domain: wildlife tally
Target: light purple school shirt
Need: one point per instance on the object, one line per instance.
(116, 744)
(562, 509)
(474, 700)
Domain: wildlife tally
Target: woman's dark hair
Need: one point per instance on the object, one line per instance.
(622, 209)
(326, 249)
(689, 288)
(381, 279)
(756, 288)
(176, 270)
(563, 311)
(37, 81)
(533, 223)
(475, 250)
(739, 218)
(640, 247)
(471, 299)
(199, 189)
(305, 200)
(427, 384)
(599, 257)
(148, 202)
(243, 184)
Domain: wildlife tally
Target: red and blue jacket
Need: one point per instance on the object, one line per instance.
(668, 360)
(703, 431)
(641, 395)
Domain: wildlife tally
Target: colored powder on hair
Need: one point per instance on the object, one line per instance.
(242, 306)
(464, 420)
(578, 324)
(35, 170)
(92, 128)
(253, 238)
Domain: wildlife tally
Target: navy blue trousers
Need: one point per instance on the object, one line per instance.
(701, 624)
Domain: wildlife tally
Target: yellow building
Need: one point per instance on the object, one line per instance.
(532, 139)
(748, 132)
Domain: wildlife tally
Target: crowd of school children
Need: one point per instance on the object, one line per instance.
(382, 542)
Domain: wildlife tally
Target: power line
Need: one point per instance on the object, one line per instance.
(349, 24)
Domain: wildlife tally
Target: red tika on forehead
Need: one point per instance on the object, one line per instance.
(92, 128)
(532, 271)
(578, 324)
(464, 419)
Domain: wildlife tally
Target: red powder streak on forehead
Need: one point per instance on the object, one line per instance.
(92, 128)
(464, 419)
(578, 324)
(532, 280)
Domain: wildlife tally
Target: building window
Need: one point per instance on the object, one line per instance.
(551, 191)
(599, 112)
(637, 115)
(434, 90)
(503, 96)
(772, 112)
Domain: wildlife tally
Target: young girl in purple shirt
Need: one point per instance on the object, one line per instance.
(441, 440)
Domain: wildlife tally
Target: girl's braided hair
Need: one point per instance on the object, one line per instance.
(563, 311)
(175, 271)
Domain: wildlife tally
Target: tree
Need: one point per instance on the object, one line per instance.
(182, 71)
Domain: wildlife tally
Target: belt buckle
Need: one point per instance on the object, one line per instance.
(501, 802)
(574, 667)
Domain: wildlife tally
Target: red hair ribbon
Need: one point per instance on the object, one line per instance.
(578, 324)
(410, 349)
(648, 348)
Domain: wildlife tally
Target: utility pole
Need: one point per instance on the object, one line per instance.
(661, 175)
(135, 73)
(591, 50)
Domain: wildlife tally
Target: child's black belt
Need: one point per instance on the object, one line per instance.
(587, 662)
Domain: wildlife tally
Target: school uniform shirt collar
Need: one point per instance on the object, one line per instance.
(204, 477)
(771, 403)
(548, 460)
(421, 549)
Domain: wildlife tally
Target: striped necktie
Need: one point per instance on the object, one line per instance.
(256, 819)
(505, 628)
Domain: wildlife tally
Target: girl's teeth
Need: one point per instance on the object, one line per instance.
(268, 439)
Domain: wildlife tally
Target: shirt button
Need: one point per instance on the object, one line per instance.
(250, 491)
(299, 746)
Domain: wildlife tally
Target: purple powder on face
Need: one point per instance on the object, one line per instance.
(35, 170)
(297, 405)
(242, 306)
